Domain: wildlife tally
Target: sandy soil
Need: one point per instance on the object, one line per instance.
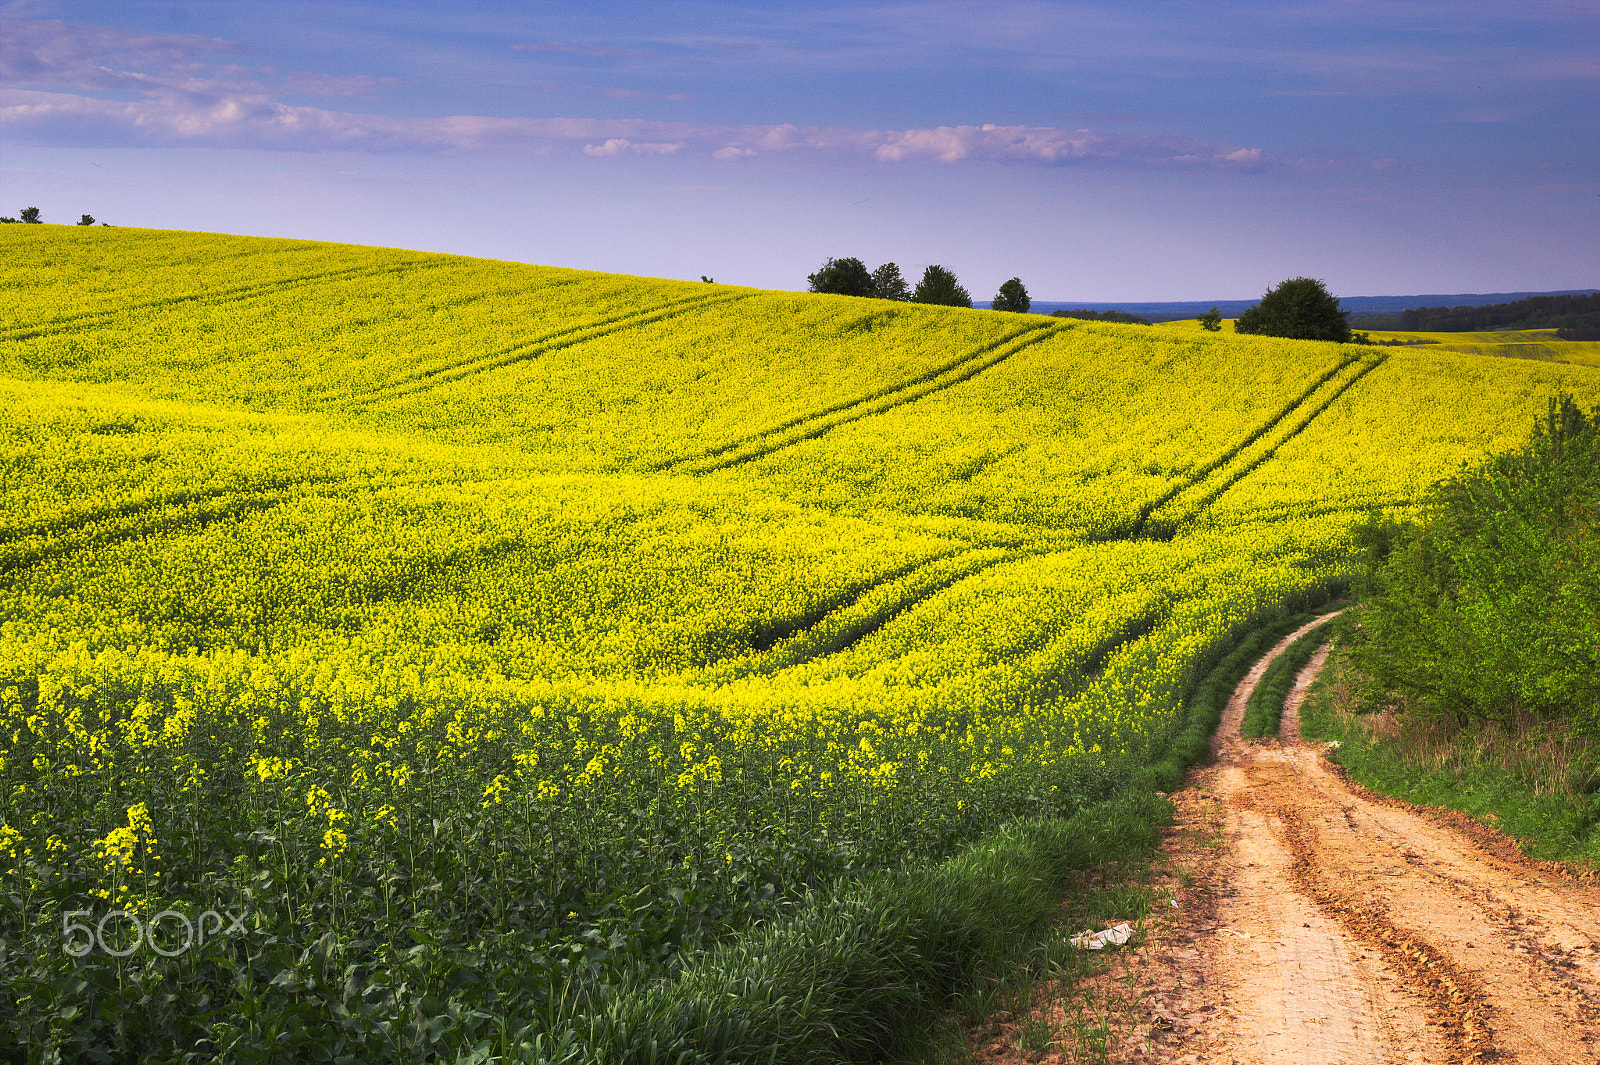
(1319, 923)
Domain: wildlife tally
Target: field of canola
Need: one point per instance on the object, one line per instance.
(1506, 344)
(471, 628)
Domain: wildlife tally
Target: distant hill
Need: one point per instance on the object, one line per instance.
(1358, 306)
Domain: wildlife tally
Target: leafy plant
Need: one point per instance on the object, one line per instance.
(1299, 308)
(1487, 609)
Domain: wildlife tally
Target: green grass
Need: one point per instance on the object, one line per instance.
(1264, 712)
(1540, 785)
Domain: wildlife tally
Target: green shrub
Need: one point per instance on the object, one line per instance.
(1489, 610)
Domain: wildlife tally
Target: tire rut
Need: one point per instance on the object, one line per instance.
(213, 297)
(532, 347)
(805, 427)
(1317, 922)
(1434, 915)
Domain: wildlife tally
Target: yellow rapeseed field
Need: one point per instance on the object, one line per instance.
(420, 606)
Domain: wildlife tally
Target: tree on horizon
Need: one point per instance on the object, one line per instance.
(939, 286)
(1013, 296)
(887, 284)
(1300, 308)
(842, 277)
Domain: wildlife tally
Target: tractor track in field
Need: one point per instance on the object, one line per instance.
(1328, 924)
(533, 347)
(215, 297)
(165, 513)
(1233, 477)
(805, 427)
(1239, 461)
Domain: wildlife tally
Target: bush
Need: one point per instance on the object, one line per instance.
(1298, 309)
(1490, 609)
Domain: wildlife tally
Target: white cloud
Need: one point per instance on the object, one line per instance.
(618, 145)
(83, 56)
(614, 146)
(181, 95)
(256, 121)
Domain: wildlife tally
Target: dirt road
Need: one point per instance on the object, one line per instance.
(1320, 924)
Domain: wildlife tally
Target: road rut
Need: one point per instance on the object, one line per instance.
(1325, 924)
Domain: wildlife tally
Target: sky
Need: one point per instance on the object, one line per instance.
(1100, 151)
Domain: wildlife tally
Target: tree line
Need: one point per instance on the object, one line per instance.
(1101, 316)
(850, 277)
(1572, 315)
(30, 216)
(1300, 308)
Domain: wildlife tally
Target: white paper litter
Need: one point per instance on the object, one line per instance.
(1116, 935)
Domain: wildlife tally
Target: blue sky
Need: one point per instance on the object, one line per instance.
(1100, 151)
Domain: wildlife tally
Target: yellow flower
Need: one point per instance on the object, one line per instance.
(317, 799)
(118, 845)
(271, 768)
(334, 841)
(497, 787)
(9, 838)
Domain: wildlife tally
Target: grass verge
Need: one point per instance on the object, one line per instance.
(1532, 780)
(857, 975)
(1057, 999)
(1263, 714)
(1033, 987)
